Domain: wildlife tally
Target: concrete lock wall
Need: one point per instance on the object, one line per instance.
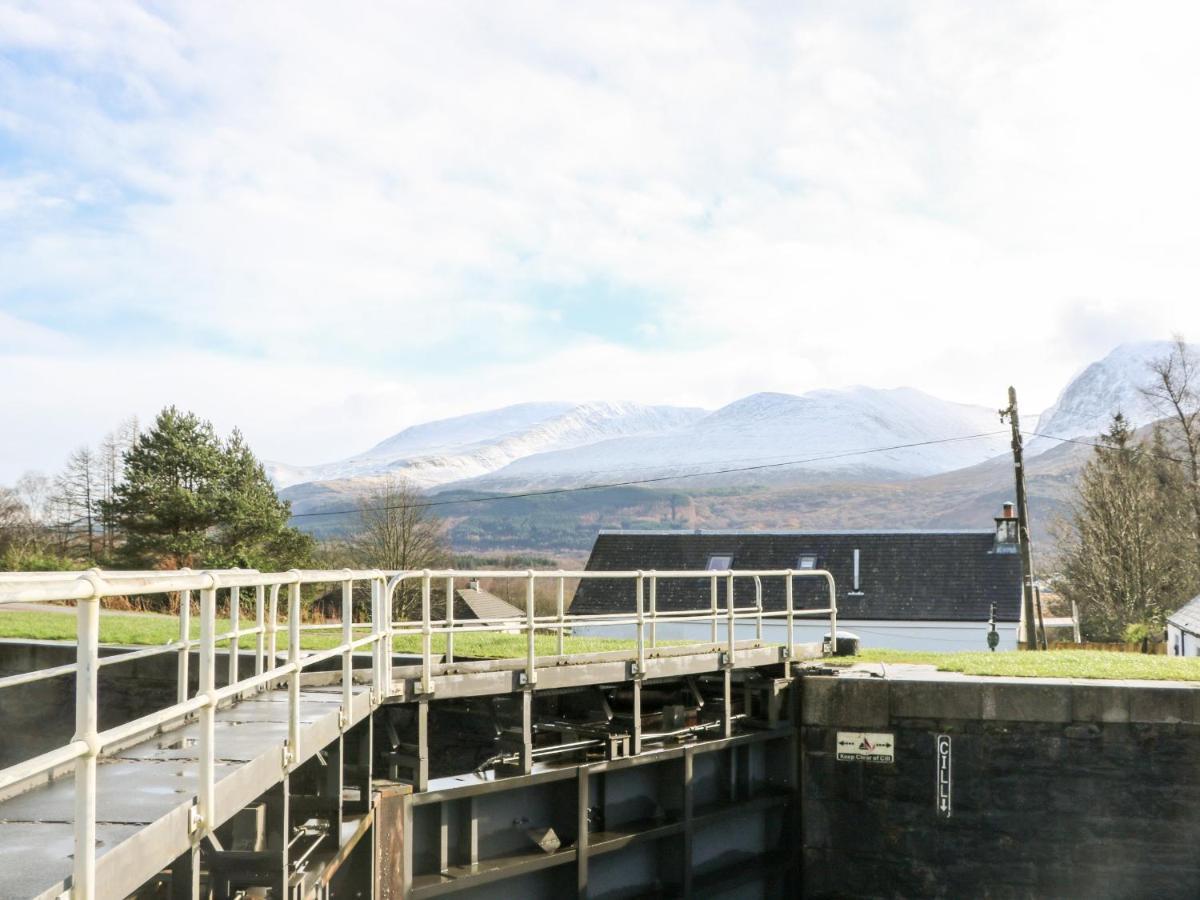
(1055, 789)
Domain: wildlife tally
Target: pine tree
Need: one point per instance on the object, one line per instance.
(171, 495)
(190, 499)
(253, 532)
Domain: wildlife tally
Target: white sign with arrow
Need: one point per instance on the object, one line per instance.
(862, 746)
(943, 776)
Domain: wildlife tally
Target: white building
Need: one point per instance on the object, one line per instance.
(1183, 630)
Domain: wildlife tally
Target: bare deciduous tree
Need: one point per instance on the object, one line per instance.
(111, 466)
(1124, 555)
(76, 492)
(398, 531)
(1175, 393)
(35, 490)
(14, 518)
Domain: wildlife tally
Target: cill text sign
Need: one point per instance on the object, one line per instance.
(943, 776)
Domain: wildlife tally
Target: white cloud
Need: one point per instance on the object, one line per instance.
(366, 217)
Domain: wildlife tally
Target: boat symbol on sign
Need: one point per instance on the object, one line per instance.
(855, 746)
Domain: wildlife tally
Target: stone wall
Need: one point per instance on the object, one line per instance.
(1058, 789)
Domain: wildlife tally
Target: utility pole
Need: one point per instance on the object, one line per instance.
(1029, 635)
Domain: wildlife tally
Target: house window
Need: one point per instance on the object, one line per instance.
(807, 561)
(719, 563)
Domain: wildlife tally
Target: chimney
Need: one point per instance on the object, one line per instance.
(473, 584)
(1006, 530)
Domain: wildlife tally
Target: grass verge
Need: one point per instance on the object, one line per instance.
(152, 629)
(1046, 664)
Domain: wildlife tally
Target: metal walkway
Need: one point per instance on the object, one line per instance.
(103, 814)
(144, 794)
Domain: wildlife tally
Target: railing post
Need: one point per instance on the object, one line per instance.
(713, 614)
(260, 639)
(348, 655)
(791, 642)
(273, 626)
(235, 606)
(832, 614)
(377, 647)
(562, 612)
(388, 611)
(87, 656)
(531, 658)
(641, 624)
(185, 637)
(293, 747)
(449, 620)
(653, 610)
(758, 608)
(207, 689)
(731, 612)
(426, 638)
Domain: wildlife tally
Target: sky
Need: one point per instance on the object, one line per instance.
(324, 222)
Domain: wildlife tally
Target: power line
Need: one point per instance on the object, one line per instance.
(677, 477)
(641, 481)
(1097, 446)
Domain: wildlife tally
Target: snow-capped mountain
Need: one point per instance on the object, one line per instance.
(824, 426)
(450, 450)
(566, 444)
(1087, 404)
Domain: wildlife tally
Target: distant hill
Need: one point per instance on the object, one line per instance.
(465, 447)
(566, 524)
(562, 444)
(550, 446)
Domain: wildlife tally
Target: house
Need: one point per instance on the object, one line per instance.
(472, 602)
(1183, 630)
(906, 589)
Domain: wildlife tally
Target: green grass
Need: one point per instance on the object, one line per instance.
(151, 629)
(1046, 664)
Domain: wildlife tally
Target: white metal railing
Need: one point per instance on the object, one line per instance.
(88, 588)
(645, 624)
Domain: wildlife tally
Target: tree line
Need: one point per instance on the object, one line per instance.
(178, 494)
(172, 495)
(1128, 554)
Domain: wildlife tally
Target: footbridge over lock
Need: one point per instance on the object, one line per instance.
(286, 758)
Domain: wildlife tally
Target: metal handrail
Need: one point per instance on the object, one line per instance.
(88, 588)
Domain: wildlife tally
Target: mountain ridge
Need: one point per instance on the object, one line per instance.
(557, 445)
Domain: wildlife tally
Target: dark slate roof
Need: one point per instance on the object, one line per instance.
(476, 604)
(903, 575)
(1187, 617)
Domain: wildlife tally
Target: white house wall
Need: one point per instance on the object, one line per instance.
(871, 633)
(1181, 643)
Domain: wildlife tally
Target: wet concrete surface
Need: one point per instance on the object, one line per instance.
(138, 786)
